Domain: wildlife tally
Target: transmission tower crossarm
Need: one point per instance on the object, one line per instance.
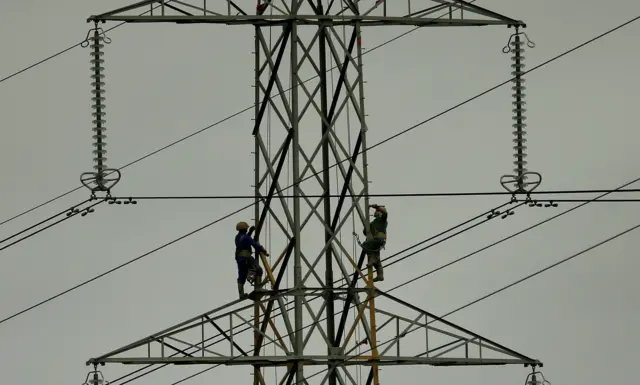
(227, 12)
(445, 343)
(435, 318)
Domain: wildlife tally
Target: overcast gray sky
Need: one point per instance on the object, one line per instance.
(166, 81)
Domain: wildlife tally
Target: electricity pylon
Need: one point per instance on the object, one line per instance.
(306, 114)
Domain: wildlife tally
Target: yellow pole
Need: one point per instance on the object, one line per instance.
(372, 325)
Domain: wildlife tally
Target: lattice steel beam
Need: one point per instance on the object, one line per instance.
(371, 13)
(443, 342)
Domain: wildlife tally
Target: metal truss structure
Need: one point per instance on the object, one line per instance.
(309, 105)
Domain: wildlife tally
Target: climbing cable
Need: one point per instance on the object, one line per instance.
(375, 145)
(203, 129)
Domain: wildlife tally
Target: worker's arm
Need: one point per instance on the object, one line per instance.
(381, 209)
(251, 242)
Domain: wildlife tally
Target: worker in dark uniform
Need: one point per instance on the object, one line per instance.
(245, 261)
(377, 240)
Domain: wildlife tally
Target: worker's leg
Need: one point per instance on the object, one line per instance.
(372, 248)
(374, 261)
(243, 270)
(379, 270)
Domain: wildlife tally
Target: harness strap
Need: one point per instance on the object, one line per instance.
(240, 252)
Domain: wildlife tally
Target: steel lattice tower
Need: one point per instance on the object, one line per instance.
(320, 335)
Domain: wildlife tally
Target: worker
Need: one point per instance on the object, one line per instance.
(245, 261)
(377, 240)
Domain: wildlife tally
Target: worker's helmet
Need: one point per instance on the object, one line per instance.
(242, 226)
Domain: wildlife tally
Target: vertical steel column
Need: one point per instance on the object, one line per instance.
(326, 177)
(256, 308)
(373, 372)
(297, 258)
(363, 124)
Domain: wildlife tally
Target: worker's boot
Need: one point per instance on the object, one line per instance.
(241, 293)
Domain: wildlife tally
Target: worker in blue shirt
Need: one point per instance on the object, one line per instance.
(245, 261)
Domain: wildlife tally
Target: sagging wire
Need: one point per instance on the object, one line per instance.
(70, 213)
(518, 180)
(493, 214)
(103, 178)
(392, 289)
(67, 211)
(485, 213)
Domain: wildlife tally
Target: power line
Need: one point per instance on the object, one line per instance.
(232, 329)
(69, 49)
(458, 260)
(211, 126)
(522, 231)
(72, 214)
(122, 265)
(493, 210)
(621, 188)
(245, 207)
(546, 268)
(380, 195)
(465, 103)
(384, 141)
(37, 64)
(491, 214)
(462, 258)
(161, 247)
(494, 292)
(379, 143)
(44, 221)
(183, 138)
(490, 217)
